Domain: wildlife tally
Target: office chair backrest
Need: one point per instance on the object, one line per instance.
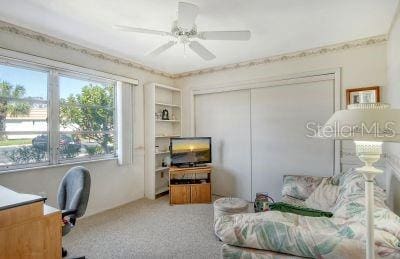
(73, 192)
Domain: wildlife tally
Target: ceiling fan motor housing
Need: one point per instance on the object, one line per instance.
(179, 32)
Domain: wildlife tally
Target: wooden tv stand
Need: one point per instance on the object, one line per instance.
(184, 191)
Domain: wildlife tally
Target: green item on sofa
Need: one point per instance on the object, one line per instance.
(286, 207)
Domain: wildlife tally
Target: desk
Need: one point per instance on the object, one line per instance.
(28, 227)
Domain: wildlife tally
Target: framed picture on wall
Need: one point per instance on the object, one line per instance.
(369, 94)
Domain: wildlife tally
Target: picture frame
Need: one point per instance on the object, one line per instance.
(370, 94)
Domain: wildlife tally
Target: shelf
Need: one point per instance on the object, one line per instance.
(159, 169)
(168, 121)
(168, 87)
(162, 152)
(158, 97)
(162, 189)
(190, 184)
(173, 181)
(168, 136)
(190, 170)
(169, 105)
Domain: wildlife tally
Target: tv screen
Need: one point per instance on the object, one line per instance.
(190, 150)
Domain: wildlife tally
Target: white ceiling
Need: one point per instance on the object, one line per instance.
(277, 26)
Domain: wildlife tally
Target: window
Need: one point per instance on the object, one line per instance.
(51, 117)
(86, 118)
(23, 116)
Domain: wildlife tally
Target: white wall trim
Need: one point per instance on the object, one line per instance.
(337, 106)
(310, 76)
(254, 83)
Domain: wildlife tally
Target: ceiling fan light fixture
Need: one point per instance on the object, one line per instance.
(184, 30)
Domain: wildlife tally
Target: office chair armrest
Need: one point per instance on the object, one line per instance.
(65, 213)
(68, 220)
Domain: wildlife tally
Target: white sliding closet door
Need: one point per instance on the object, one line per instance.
(226, 118)
(279, 143)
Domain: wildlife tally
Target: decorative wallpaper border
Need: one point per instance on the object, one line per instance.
(294, 55)
(13, 29)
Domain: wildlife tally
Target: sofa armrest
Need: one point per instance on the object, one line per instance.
(300, 186)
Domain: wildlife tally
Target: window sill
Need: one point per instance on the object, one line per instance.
(65, 163)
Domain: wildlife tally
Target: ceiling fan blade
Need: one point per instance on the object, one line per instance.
(161, 49)
(224, 35)
(187, 14)
(201, 50)
(140, 30)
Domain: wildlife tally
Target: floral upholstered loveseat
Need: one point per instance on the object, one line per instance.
(254, 235)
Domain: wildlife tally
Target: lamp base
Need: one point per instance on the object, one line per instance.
(369, 152)
(369, 172)
(369, 206)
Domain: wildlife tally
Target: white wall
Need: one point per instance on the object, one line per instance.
(361, 66)
(392, 96)
(112, 185)
(393, 62)
(392, 93)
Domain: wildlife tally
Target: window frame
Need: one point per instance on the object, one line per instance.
(53, 104)
(93, 79)
(27, 66)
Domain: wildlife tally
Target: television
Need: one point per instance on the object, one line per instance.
(190, 151)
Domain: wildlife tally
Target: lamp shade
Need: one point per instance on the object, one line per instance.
(364, 122)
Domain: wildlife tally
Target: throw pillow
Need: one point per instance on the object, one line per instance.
(324, 196)
(289, 208)
(300, 186)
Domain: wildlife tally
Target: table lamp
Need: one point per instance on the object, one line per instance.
(368, 124)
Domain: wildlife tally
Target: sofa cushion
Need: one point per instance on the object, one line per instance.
(293, 201)
(324, 196)
(299, 186)
(303, 236)
(342, 236)
(351, 199)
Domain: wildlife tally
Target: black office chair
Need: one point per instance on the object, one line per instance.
(73, 197)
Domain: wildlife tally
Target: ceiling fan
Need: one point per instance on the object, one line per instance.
(184, 30)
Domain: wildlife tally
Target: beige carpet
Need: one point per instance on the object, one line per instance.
(146, 229)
